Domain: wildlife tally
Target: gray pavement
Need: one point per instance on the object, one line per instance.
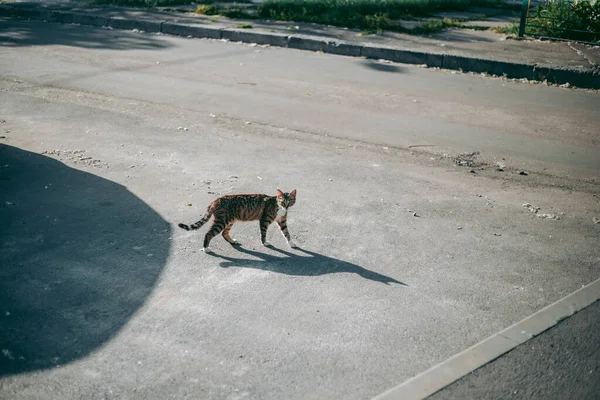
(561, 363)
(111, 138)
(456, 49)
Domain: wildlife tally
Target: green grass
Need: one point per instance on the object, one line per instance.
(512, 29)
(244, 26)
(367, 15)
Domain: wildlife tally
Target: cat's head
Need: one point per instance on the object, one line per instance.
(286, 200)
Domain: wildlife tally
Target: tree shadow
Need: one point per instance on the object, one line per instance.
(79, 254)
(19, 33)
(313, 264)
(464, 35)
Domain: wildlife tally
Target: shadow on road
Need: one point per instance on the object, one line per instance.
(18, 33)
(378, 66)
(79, 256)
(292, 264)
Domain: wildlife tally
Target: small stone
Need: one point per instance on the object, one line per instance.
(548, 216)
(525, 173)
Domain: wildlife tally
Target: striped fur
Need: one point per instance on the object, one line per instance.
(246, 207)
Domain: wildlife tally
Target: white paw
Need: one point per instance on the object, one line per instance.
(207, 250)
(236, 242)
(266, 243)
(292, 244)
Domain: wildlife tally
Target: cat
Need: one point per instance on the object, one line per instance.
(246, 207)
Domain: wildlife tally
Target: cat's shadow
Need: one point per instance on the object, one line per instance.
(310, 264)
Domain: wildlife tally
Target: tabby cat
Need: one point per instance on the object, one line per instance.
(246, 207)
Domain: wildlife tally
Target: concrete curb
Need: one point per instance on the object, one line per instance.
(582, 79)
(467, 361)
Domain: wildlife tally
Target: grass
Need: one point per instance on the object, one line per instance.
(244, 26)
(512, 29)
(366, 15)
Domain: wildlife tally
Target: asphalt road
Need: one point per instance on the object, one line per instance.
(112, 138)
(561, 363)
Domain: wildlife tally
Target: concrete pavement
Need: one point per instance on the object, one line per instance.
(171, 123)
(455, 49)
(557, 364)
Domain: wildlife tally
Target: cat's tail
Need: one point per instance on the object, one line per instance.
(198, 224)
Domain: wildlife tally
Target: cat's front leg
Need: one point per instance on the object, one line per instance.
(264, 225)
(282, 222)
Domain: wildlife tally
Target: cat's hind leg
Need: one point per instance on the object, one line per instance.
(226, 234)
(217, 227)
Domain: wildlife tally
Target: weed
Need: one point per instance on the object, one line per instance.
(244, 26)
(579, 20)
(366, 15)
(205, 9)
(512, 29)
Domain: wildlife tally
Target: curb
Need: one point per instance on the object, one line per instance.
(447, 372)
(581, 79)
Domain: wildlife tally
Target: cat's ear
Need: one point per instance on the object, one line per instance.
(279, 193)
(293, 193)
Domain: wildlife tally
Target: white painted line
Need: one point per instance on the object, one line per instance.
(436, 378)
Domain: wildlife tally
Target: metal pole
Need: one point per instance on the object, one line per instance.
(524, 10)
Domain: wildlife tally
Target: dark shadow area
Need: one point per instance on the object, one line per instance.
(312, 264)
(16, 33)
(463, 35)
(383, 67)
(79, 255)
